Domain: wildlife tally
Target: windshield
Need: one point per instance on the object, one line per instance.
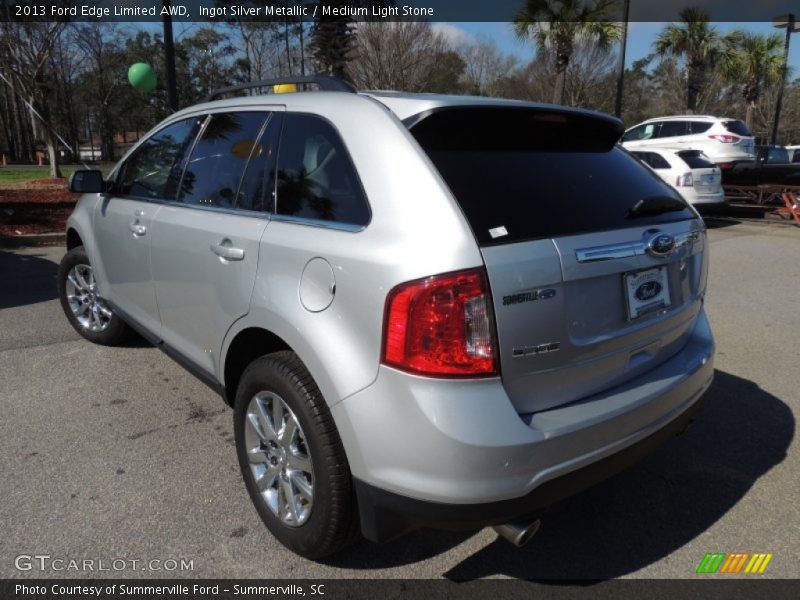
(737, 127)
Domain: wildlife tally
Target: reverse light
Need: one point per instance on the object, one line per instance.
(685, 180)
(442, 326)
(725, 138)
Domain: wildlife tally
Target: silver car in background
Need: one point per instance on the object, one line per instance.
(425, 310)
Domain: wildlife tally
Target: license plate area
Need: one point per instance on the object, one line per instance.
(646, 291)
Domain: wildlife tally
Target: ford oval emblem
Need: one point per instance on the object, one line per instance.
(647, 291)
(660, 244)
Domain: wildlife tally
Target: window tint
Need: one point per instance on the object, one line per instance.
(699, 126)
(696, 160)
(213, 172)
(796, 156)
(256, 191)
(659, 162)
(777, 156)
(737, 127)
(316, 178)
(672, 129)
(153, 170)
(642, 132)
(538, 178)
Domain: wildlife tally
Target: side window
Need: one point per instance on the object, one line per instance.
(257, 190)
(672, 129)
(642, 156)
(642, 132)
(658, 162)
(153, 170)
(316, 178)
(215, 168)
(699, 126)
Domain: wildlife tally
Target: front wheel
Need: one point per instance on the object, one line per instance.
(292, 459)
(86, 310)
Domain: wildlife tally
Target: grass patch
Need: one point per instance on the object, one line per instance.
(17, 175)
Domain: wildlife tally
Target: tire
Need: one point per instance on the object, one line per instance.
(329, 521)
(97, 323)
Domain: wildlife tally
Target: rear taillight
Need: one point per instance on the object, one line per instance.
(441, 326)
(725, 138)
(685, 180)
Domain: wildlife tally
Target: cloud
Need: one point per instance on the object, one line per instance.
(453, 34)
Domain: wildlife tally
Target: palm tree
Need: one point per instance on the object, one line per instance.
(753, 61)
(697, 42)
(557, 25)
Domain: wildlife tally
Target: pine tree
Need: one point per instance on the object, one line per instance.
(333, 41)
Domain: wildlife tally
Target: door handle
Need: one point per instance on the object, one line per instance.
(137, 228)
(226, 251)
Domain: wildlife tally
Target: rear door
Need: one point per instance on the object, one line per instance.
(596, 266)
(205, 243)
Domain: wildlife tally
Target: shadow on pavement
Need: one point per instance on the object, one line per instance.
(638, 517)
(28, 279)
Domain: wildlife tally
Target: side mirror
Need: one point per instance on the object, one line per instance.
(87, 182)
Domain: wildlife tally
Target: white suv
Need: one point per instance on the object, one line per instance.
(723, 140)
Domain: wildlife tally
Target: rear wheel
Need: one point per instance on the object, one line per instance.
(292, 459)
(87, 312)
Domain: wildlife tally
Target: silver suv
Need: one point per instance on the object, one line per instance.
(425, 310)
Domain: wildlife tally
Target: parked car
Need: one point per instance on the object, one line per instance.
(425, 310)
(772, 166)
(723, 140)
(689, 171)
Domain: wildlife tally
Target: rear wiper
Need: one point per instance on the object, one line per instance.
(655, 205)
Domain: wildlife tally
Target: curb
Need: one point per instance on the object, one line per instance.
(36, 239)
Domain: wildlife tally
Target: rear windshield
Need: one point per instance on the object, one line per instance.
(737, 127)
(523, 174)
(696, 160)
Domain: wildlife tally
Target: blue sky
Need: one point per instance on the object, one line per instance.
(641, 36)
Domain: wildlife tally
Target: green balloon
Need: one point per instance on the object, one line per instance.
(142, 77)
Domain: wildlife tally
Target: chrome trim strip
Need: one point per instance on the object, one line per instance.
(629, 249)
(350, 227)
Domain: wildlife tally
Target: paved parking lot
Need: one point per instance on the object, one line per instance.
(118, 453)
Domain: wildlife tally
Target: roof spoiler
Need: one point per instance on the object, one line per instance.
(327, 83)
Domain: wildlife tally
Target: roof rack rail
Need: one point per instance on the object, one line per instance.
(326, 83)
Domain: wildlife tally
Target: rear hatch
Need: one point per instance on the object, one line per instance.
(746, 140)
(706, 176)
(564, 218)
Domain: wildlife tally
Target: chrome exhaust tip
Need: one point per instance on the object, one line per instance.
(519, 533)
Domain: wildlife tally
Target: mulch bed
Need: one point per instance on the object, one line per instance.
(42, 206)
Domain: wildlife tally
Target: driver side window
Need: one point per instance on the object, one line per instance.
(154, 169)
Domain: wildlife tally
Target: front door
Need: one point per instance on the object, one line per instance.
(205, 245)
(124, 221)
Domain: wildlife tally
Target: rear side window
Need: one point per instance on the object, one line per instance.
(154, 168)
(673, 129)
(699, 126)
(737, 127)
(696, 160)
(523, 174)
(257, 190)
(652, 159)
(777, 156)
(316, 177)
(218, 160)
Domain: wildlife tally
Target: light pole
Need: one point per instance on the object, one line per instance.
(169, 55)
(621, 74)
(789, 23)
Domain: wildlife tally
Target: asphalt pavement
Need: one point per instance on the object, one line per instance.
(119, 454)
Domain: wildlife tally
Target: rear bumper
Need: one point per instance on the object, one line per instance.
(385, 515)
(451, 453)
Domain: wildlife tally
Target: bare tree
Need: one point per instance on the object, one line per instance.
(27, 48)
(484, 65)
(402, 55)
